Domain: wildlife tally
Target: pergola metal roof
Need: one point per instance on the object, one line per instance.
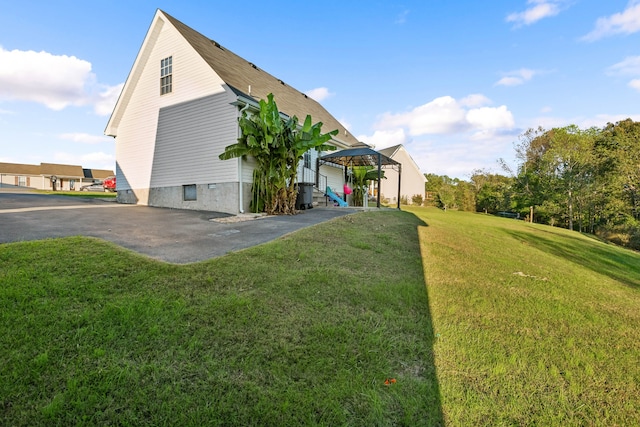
(359, 157)
(364, 156)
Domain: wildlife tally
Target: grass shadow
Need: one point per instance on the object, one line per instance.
(436, 417)
(617, 263)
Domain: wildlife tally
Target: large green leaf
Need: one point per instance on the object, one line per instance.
(277, 145)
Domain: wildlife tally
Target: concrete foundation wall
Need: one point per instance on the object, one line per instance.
(138, 196)
(210, 197)
(218, 197)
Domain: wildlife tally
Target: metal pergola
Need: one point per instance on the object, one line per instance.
(363, 157)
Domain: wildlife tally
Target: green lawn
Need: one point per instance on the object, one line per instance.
(81, 194)
(478, 320)
(534, 324)
(301, 331)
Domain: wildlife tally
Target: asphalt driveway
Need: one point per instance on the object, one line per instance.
(172, 235)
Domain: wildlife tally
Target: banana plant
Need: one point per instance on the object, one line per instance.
(361, 176)
(277, 145)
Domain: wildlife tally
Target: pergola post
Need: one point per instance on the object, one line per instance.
(379, 177)
(399, 179)
(346, 179)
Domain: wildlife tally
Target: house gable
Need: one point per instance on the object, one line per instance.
(135, 121)
(192, 76)
(168, 139)
(400, 154)
(412, 180)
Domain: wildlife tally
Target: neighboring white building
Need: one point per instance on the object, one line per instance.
(412, 182)
(178, 111)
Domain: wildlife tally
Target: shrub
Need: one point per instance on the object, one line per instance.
(417, 199)
(626, 234)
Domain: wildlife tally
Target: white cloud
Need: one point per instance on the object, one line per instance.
(537, 10)
(84, 138)
(598, 120)
(105, 101)
(319, 94)
(475, 100)
(442, 115)
(516, 78)
(601, 120)
(629, 66)
(491, 118)
(95, 160)
(546, 109)
(402, 17)
(56, 81)
(635, 84)
(345, 123)
(445, 115)
(457, 157)
(471, 134)
(385, 138)
(625, 22)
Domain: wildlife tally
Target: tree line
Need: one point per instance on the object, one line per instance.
(586, 180)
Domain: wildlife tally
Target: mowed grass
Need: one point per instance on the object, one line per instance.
(327, 326)
(80, 194)
(470, 319)
(534, 325)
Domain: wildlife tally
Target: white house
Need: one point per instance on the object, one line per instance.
(412, 182)
(179, 109)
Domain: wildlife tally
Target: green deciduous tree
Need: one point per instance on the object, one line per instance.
(493, 192)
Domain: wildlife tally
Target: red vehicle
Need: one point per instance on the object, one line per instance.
(109, 183)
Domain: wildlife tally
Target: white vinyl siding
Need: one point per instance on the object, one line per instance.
(135, 126)
(335, 177)
(412, 182)
(190, 138)
(248, 166)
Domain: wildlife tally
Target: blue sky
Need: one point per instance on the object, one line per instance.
(456, 82)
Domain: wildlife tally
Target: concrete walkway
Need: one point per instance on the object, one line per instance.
(172, 235)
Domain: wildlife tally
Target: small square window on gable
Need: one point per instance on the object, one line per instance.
(166, 72)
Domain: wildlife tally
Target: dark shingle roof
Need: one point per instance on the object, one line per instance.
(98, 173)
(390, 151)
(239, 74)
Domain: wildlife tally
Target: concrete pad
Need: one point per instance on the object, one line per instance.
(172, 235)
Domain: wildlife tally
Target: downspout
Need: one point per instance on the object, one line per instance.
(240, 186)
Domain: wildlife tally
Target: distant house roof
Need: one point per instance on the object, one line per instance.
(240, 74)
(390, 151)
(97, 173)
(49, 169)
(19, 169)
(61, 170)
